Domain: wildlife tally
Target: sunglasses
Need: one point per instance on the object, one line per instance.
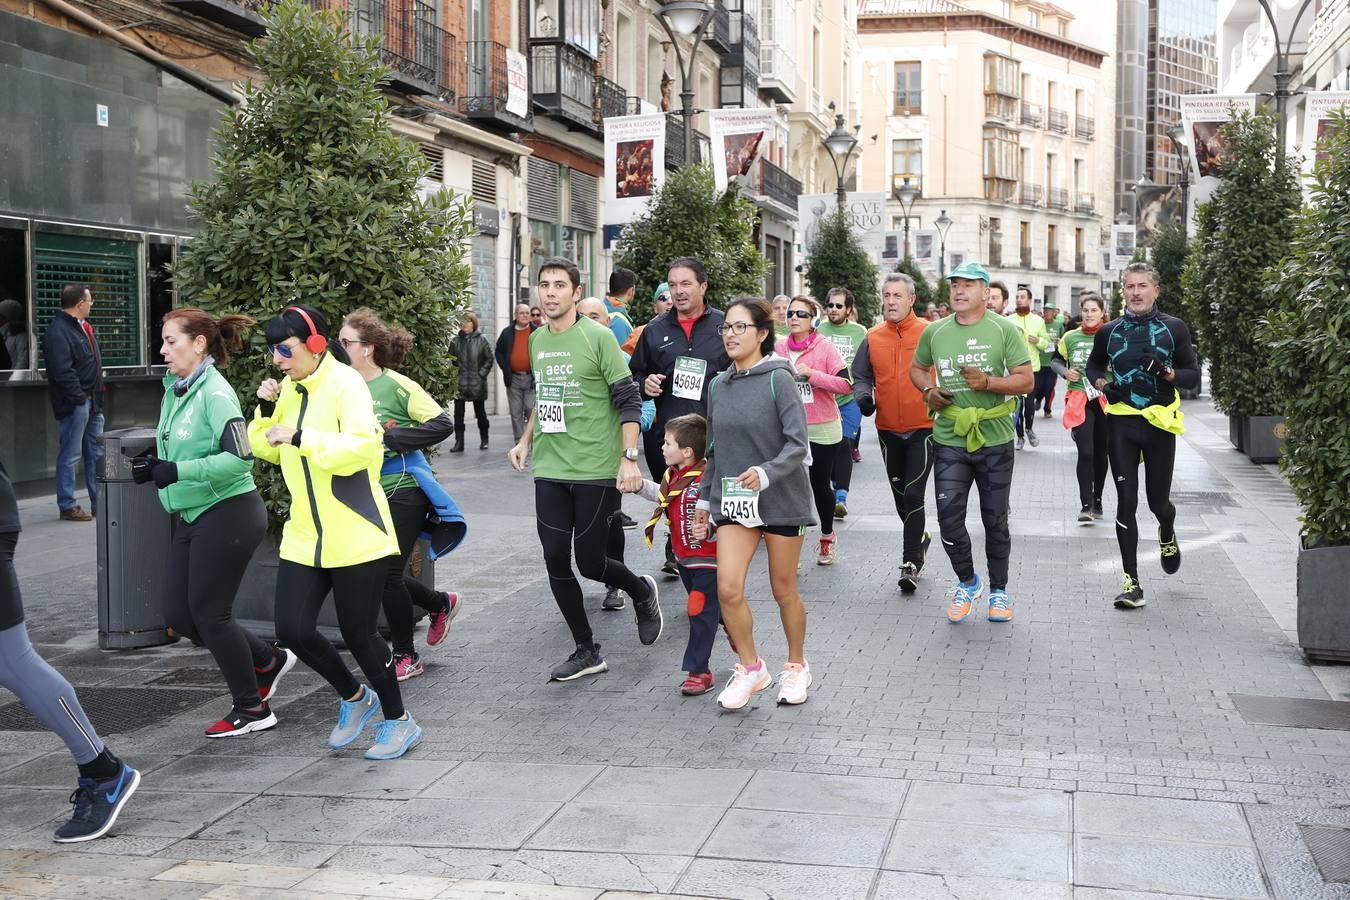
(800, 314)
(283, 349)
(836, 306)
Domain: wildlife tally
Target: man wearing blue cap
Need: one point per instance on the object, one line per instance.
(983, 364)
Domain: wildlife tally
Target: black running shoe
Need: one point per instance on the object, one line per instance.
(671, 566)
(97, 804)
(1085, 515)
(909, 578)
(627, 521)
(268, 681)
(613, 600)
(1170, 552)
(242, 721)
(648, 611)
(1097, 512)
(585, 661)
(1132, 595)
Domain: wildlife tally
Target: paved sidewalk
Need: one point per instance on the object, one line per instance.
(1079, 752)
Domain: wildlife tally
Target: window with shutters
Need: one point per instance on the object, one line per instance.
(111, 268)
(545, 202)
(435, 155)
(582, 200)
(484, 182)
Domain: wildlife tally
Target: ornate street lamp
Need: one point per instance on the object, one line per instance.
(943, 224)
(687, 18)
(1282, 73)
(905, 194)
(1176, 133)
(842, 144)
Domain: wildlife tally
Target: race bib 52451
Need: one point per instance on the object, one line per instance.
(740, 504)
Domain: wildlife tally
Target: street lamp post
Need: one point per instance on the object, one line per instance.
(943, 224)
(687, 18)
(1176, 132)
(842, 144)
(905, 194)
(1282, 73)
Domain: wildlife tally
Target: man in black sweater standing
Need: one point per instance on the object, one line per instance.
(75, 383)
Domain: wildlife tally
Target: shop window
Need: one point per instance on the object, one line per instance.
(14, 299)
(159, 294)
(112, 269)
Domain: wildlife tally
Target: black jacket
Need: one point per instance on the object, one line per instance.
(474, 355)
(74, 370)
(662, 341)
(502, 351)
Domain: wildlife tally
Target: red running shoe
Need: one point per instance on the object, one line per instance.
(242, 721)
(697, 683)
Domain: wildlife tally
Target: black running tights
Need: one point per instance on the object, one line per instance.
(909, 458)
(1025, 416)
(822, 481)
(1129, 438)
(1091, 440)
(207, 560)
(990, 469)
(577, 517)
(408, 508)
(356, 598)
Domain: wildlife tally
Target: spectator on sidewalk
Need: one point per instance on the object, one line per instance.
(473, 355)
(75, 382)
(622, 288)
(14, 329)
(513, 360)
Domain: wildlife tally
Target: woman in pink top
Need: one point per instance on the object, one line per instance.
(821, 377)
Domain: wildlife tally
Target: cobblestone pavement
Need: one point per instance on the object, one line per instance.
(1079, 752)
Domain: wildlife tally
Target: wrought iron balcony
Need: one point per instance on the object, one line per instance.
(1032, 116)
(632, 106)
(1052, 259)
(1084, 203)
(777, 185)
(675, 142)
(1058, 120)
(1057, 198)
(1032, 194)
(995, 252)
(562, 78)
(485, 93)
(777, 73)
(412, 44)
(1080, 262)
(612, 97)
(241, 16)
(718, 35)
(1084, 127)
(1026, 257)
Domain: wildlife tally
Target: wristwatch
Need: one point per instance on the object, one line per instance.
(631, 454)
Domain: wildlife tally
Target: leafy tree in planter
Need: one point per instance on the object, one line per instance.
(1250, 235)
(838, 260)
(923, 291)
(1198, 273)
(315, 199)
(1308, 353)
(687, 217)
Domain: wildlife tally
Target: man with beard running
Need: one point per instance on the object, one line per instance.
(1149, 356)
(1032, 328)
(847, 336)
(675, 361)
(881, 384)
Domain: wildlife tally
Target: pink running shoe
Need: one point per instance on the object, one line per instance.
(407, 666)
(440, 621)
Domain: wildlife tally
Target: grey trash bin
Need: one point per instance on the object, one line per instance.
(133, 544)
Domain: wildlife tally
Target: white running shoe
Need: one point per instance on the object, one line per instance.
(793, 682)
(743, 683)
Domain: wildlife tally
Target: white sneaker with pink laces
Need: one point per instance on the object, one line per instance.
(743, 683)
(793, 682)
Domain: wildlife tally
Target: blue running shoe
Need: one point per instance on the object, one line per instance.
(97, 804)
(1000, 607)
(394, 737)
(353, 715)
(964, 598)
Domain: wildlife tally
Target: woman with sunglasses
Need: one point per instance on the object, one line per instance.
(318, 423)
(203, 468)
(755, 487)
(412, 422)
(822, 377)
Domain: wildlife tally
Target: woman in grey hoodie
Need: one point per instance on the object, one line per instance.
(755, 485)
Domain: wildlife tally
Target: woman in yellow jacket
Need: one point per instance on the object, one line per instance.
(319, 425)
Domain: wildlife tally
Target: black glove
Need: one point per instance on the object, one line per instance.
(142, 469)
(1152, 363)
(165, 472)
(1115, 393)
(866, 405)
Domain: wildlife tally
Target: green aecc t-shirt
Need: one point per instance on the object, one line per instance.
(995, 346)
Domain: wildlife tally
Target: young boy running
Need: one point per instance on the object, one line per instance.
(676, 498)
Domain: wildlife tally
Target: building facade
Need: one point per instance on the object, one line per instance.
(1246, 47)
(1000, 118)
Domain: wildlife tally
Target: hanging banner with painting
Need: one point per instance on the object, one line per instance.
(635, 165)
(1204, 116)
(738, 137)
(1318, 107)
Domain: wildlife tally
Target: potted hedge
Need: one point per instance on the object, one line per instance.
(1309, 354)
(316, 198)
(1242, 234)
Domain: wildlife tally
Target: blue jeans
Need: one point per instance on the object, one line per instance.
(80, 433)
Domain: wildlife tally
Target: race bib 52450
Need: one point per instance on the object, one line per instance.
(549, 409)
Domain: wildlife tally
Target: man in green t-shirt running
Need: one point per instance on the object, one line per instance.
(847, 336)
(983, 364)
(584, 433)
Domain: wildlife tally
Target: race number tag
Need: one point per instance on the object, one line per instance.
(689, 375)
(806, 392)
(740, 504)
(549, 409)
(1092, 392)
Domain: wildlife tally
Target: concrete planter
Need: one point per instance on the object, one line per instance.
(253, 605)
(1323, 612)
(1237, 432)
(1263, 438)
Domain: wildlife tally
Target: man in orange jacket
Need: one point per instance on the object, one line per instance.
(881, 384)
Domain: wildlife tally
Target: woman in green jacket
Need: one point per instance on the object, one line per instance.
(203, 468)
